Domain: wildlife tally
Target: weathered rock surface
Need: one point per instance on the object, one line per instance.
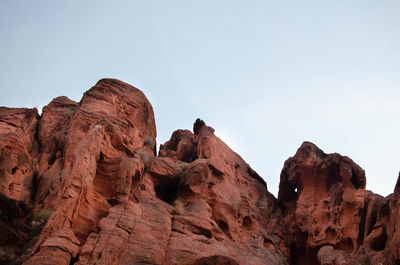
(18, 152)
(393, 229)
(330, 216)
(82, 184)
(90, 163)
(191, 213)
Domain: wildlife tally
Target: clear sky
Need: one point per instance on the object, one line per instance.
(267, 75)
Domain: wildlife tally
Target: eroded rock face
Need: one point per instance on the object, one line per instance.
(89, 164)
(191, 213)
(393, 234)
(325, 203)
(18, 152)
(82, 184)
(52, 132)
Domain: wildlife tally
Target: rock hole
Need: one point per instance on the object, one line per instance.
(332, 178)
(379, 243)
(202, 231)
(224, 227)
(105, 181)
(301, 255)
(268, 244)
(356, 183)
(167, 191)
(113, 201)
(247, 222)
(14, 170)
(193, 158)
(74, 260)
(188, 156)
(52, 159)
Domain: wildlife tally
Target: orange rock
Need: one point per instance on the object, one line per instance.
(190, 213)
(93, 166)
(18, 152)
(393, 229)
(98, 167)
(324, 203)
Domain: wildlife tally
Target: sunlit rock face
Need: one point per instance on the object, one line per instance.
(82, 184)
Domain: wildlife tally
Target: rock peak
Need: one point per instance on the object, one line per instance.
(198, 124)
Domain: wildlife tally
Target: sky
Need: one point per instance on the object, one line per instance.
(266, 75)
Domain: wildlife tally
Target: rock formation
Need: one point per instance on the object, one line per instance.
(82, 184)
(330, 216)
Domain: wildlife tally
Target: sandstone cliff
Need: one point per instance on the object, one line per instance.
(82, 184)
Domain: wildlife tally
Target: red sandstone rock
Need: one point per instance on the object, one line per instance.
(18, 169)
(52, 131)
(18, 152)
(113, 201)
(191, 213)
(98, 168)
(180, 146)
(325, 204)
(393, 230)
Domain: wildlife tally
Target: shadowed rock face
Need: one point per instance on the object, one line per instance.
(111, 199)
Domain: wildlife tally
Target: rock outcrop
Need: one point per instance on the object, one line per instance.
(18, 152)
(330, 216)
(82, 184)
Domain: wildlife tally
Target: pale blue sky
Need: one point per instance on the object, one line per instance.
(267, 75)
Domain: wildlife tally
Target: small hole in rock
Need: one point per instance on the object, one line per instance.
(52, 159)
(356, 183)
(247, 223)
(112, 201)
(379, 243)
(167, 191)
(224, 227)
(301, 255)
(14, 170)
(269, 245)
